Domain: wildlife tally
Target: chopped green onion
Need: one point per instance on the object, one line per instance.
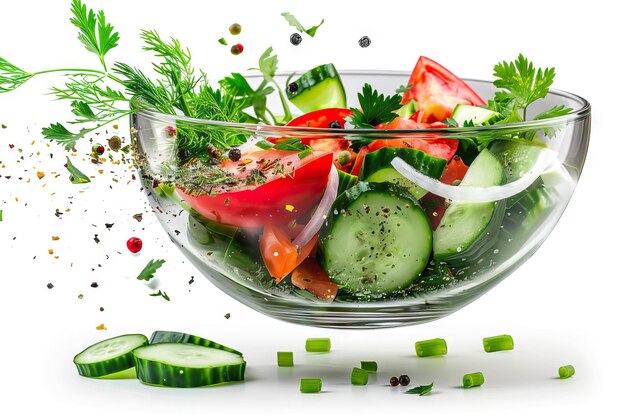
(432, 347)
(222, 41)
(285, 358)
(359, 376)
(310, 385)
(321, 344)
(566, 371)
(369, 366)
(473, 380)
(497, 343)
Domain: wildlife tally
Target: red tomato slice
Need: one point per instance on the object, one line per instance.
(437, 91)
(454, 171)
(292, 187)
(358, 162)
(439, 147)
(311, 277)
(322, 119)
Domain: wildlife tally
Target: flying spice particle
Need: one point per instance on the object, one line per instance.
(365, 41)
(227, 316)
(295, 39)
(101, 308)
(95, 238)
(50, 251)
(55, 238)
(80, 296)
(235, 29)
(138, 217)
(115, 143)
(222, 41)
(236, 49)
(191, 281)
(50, 286)
(40, 174)
(94, 285)
(108, 225)
(4, 126)
(101, 326)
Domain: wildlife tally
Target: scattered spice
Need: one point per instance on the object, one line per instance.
(80, 296)
(404, 380)
(227, 316)
(108, 225)
(236, 49)
(50, 251)
(235, 29)
(94, 285)
(365, 41)
(4, 126)
(55, 238)
(50, 286)
(134, 244)
(138, 217)
(95, 238)
(234, 154)
(40, 174)
(394, 381)
(101, 308)
(101, 326)
(98, 149)
(295, 39)
(115, 143)
(289, 207)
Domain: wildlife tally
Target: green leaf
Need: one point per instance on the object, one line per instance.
(420, 389)
(148, 271)
(290, 144)
(375, 108)
(160, 294)
(0, 215)
(222, 41)
(291, 19)
(95, 33)
(59, 133)
(555, 111)
(76, 176)
(306, 152)
(82, 110)
(11, 76)
(236, 85)
(268, 64)
(403, 89)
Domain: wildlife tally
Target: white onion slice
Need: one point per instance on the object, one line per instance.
(315, 224)
(472, 193)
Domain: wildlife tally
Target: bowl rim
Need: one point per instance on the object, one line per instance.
(582, 112)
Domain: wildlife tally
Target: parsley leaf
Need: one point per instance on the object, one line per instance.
(295, 23)
(268, 64)
(76, 176)
(555, 111)
(160, 294)
(375, 108)
(95, 33)
(148, 271)
(63, 136)
(403, 89)
(420, 389)
(294, 144)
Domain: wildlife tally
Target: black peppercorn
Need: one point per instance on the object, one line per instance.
(394, 381)
(404, 380)
(334, 125)
(365, 41)
(295, 39)
(234, 154)
(292, 87)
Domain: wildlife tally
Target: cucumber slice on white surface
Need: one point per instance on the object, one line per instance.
(110, 356)
(185, 365)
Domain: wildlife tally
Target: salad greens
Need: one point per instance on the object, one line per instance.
(147, 273)
(295, 23)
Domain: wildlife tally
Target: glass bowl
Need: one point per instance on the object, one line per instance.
(492, 229)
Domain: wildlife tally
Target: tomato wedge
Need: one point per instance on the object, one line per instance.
(311, 277)
(322, 119)
(439, 147)
(280, 256)
(292, 187)
(437, 91)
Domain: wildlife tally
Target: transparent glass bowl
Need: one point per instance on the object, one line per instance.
(528, 206)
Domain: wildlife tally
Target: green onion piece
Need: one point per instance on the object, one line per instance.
(285, 358)
(473, 380)
(496, 343)
(566, 371)
(359, 376)
(310, 385)
(432, 347)
(222, 41)
(321, 344)
(369, 366)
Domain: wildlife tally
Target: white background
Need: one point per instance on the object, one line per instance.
(565, 305)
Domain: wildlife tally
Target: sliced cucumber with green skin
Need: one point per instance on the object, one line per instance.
(161, 336)
(376, 241)
(319, 88)
(346, 181)
(516, 158)
(185, 365)
(407, 110)
(477, 116)
(377, 167)
(465, 223)
(110, 356)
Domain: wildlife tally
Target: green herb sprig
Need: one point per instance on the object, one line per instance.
(147, 273)
(291, 19)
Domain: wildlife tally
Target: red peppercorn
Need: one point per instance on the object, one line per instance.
(134, 244)
(236, 49)
(393, 381)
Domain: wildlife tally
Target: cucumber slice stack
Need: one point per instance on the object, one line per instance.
(170, 359)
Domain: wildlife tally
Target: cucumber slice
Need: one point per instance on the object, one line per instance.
(478, 116)
(516, 158)
(110, 356)
(377, 167)
(376, 241)
(185, 365)
(319, 88)
(161, 336)
(407, 110)
(463, 224)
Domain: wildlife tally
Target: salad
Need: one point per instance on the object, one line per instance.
(331, 209)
